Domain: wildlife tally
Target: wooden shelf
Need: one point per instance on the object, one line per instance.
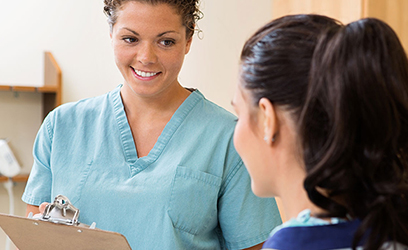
(23, 88)
(48, 89)
(17, 178)
(5, 88)
(50, 92)
(42, 89)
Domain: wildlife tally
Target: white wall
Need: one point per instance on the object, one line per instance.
(77, 34)
(212, 64)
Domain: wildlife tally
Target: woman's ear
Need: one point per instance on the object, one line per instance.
(269, 119)
(188, 45)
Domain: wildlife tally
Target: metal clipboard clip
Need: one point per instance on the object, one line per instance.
(61, 211)
(58, 228)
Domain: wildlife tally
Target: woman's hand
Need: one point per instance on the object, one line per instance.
(36, 209)
(42, 207)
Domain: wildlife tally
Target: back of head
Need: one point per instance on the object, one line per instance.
(275, 61)
(354, 129)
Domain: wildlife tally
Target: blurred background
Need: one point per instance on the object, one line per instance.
(76, 34)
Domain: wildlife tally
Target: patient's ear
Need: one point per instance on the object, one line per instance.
(270, 123)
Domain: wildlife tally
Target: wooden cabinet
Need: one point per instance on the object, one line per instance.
(392, 12)
(50, 97)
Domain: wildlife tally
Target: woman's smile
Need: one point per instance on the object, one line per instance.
(145, 75)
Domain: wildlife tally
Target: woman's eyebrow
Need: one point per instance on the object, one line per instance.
(159, 35)
(134, 32)
(166, 32)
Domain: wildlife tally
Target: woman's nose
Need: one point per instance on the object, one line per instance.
(146, 54)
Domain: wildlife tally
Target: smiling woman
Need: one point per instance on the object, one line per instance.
(159, 156)
(150, 56)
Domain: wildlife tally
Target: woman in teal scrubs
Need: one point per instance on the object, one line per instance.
(151, 160)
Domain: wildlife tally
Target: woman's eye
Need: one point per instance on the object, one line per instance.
(167, 43)
(130, 39)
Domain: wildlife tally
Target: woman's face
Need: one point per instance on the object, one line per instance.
(149, 43)
(249, 143)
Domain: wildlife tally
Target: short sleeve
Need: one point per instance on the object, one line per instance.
(38, 188)
(245, 219)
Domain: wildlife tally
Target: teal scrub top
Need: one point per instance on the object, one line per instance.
(191, 191)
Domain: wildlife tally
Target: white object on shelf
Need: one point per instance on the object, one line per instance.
(8, 164)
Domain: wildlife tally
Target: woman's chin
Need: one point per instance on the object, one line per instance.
(261, 191)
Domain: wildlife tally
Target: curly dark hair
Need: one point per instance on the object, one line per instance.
(188, 9)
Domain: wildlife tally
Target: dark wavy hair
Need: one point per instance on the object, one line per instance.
(188, 9)
(354, 129)
(346, 88)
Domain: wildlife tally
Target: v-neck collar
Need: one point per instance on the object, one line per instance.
(139, 164)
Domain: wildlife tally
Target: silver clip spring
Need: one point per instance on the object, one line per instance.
(61, 211)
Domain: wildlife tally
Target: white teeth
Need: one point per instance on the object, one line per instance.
(144, 74)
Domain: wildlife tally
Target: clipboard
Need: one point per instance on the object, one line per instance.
(35, 234)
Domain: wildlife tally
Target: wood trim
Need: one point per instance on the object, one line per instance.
(281, 210)
(48, 89)
(364, 8)
(5, 88)
(17, 178)
(53, 76)
(23, 89)
(43, 89)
